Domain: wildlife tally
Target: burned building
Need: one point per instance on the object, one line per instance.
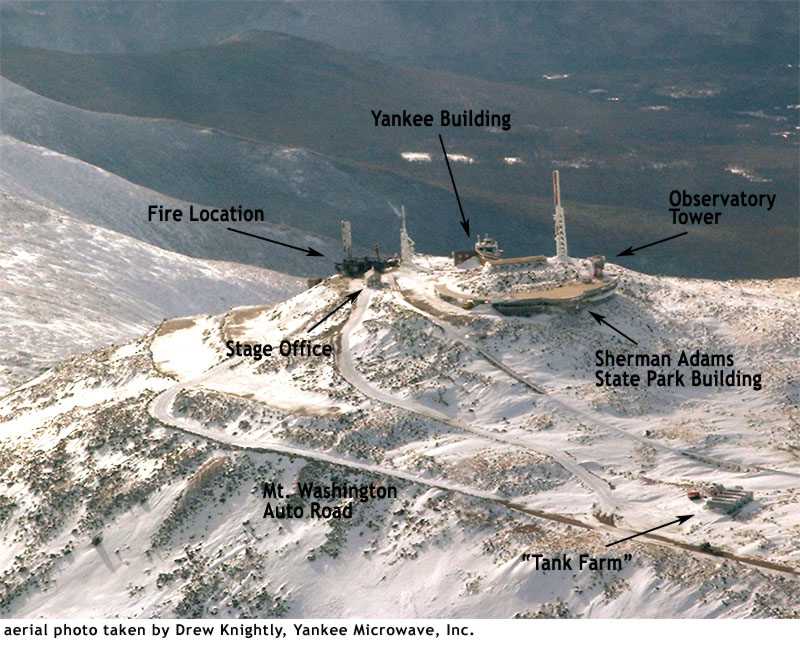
(354, 267)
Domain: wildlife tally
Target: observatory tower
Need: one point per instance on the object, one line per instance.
(560, 233)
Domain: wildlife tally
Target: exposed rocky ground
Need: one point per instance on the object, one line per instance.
(105, 510)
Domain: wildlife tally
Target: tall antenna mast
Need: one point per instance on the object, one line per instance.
(406, 243)
(347, 239)
(560, 233)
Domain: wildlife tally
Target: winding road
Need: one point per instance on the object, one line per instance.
(347, 368)
(161, 408)
(455, 333)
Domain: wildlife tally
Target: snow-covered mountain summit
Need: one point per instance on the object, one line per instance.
(136, 479)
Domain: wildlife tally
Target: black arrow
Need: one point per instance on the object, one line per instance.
(679, 521)
(629, 250)
(602, 320)
(351, 297)
(464, 220)
(310, 252)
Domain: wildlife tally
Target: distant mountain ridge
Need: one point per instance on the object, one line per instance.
(276, 92)
(525, 38)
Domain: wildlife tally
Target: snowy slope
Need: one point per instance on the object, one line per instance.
(96, 196)
(297, 188)
(68, 287)
(137, 470)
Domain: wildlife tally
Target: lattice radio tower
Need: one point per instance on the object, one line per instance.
(560, 231)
